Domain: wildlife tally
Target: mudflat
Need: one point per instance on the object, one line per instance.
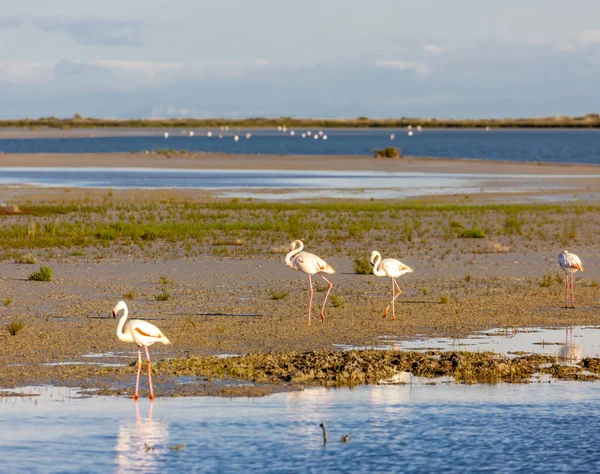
(210, 274)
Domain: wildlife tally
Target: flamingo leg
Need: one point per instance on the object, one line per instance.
(149, 373)
(310, 299)
(385, 313)
(566, 289)
(394, 296)
(137, 380)
(572, 295)
(326, 296)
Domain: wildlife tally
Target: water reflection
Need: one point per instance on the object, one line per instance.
(577, 343)
(571, 353)
(138, 444)
(544, 427)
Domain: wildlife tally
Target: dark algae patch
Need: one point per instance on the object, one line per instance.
(358, 367)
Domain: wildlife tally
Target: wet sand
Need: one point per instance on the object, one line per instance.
(224, 161)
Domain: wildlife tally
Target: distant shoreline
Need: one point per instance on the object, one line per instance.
(587, 121)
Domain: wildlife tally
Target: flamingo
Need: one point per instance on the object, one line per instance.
(310, 264)
(570, 263)
(389, 267)
(143, 334)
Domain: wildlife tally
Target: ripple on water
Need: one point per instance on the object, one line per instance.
(544, 427)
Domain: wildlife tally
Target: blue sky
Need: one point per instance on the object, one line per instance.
(315, 58)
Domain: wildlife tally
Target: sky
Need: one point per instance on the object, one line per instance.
(314, 58)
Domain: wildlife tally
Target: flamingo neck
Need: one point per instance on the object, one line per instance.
(295, 251)
(377, 271)
(120, 334)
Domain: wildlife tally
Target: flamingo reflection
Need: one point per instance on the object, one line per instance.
(571, 353)
(135, 442)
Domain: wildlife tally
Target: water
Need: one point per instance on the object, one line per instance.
(355, 184)
(545, 427)
(573, 343)
(557, 146)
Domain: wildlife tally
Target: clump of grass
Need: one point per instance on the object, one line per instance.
(424, 290)
(472, 233)
(43, 274)
(164, 280)
(468, 277)
(389, 152)
(14, 327)
(337, 301)
(164, 295)
(444, 299)
(558, 278)
(8, 301)
(546, 281)
(278, 295)
(130, 294)
(27, 258)
(361, 265)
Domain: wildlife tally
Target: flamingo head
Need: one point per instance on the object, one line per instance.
(121, 306)
(373, 256)
(295, 244)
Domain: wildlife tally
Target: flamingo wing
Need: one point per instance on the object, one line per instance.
(146, 333)
(570, 260)
(310, 263)
(395, 267)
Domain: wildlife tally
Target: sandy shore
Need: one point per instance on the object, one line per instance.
(291, 162)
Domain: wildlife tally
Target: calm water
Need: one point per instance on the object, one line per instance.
(560, 146)
(573, 343)
(545, 427)
(359, 184)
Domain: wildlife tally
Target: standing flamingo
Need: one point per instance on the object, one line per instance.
(570, 263)
(143, 334)
(389, 267)
(310, 264)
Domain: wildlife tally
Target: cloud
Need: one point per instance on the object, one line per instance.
(433, 49)
(31, 72)
(420, 69)
(8, 22)
(95, 31)
(590, 37)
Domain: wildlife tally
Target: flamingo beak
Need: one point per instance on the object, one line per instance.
(114, 314)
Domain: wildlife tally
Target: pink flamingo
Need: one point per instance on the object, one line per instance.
(143, 334)
(570, 263)
(389, 267)
(310, 264)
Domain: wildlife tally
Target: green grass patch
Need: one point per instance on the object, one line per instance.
(278, 294)
(43, 274)
(14, 327)
(473, 233)
(362, 265)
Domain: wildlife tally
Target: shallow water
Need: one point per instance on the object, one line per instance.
(545, 427)
(558, 146)
(573, 344)
(289, 184)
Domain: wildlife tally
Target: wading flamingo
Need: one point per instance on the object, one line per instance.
(392, 268)
(310, 264)
(143, 334)
(570, 263)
